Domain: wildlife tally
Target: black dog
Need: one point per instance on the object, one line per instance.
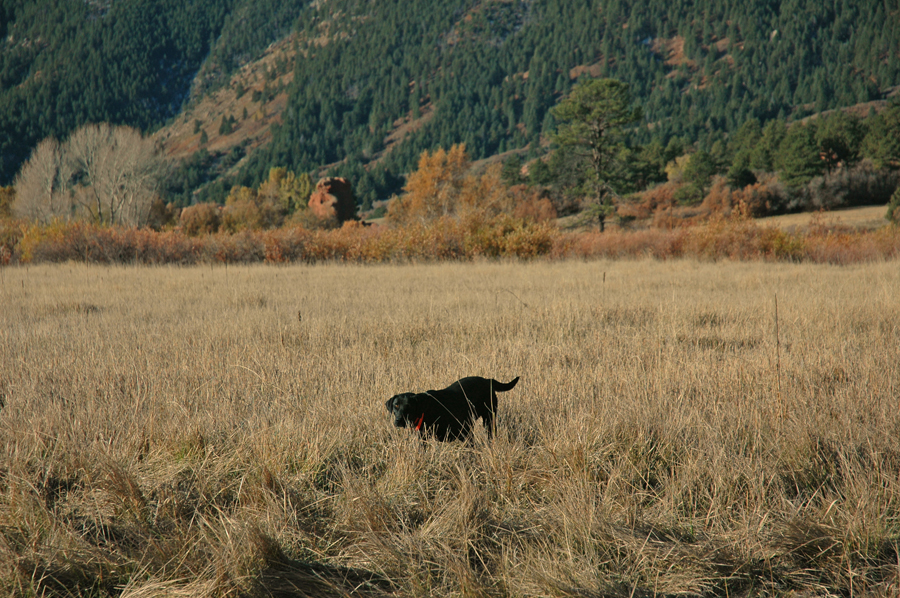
(448, 414)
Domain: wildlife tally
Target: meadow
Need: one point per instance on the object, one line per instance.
(681, 428)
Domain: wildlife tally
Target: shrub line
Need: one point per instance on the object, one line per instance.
(447, 239)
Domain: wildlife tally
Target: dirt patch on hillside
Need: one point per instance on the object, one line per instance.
(672, 51)
(255, 98)
(403, 127)
(592, 70)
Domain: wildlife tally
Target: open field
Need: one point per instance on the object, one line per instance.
(866, 217)
(213, 431)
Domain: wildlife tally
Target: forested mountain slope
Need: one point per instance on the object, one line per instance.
(69, 62)
(485, 72)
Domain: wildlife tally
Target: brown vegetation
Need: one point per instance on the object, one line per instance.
(448, 238)
(451, 212)
(186, 432)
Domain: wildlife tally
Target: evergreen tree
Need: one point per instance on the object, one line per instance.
(590, 121)
(797, 160)
(512, 170)
(762, 157)
(739, 173)
(882, 142)
(840, 137)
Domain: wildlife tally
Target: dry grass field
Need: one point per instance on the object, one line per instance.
(859, 218)
(212, 431)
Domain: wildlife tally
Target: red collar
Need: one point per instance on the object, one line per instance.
(419, 422)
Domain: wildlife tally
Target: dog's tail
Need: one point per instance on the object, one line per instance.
(501, 387)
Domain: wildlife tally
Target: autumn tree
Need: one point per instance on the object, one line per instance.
(108, 175)
(242, 210)
(286, 190)
(433, 190)
(445, 187)
(590, 121)
(266, 207)
(105, 174)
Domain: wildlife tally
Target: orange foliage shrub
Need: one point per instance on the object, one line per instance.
(532, 204)
(739, 238)
(656, 243)
(311, 221)
(506, 236)
(11, 233)
(247, 209)
(503, 236)
(241, 211)
(825, 242)
(242, 247)
(660, 204)
(762, 197)
(653, 200)
(718, 201)
(200, 219)
(162, 215)
(92, 243)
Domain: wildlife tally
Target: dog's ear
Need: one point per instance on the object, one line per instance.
(390, 403)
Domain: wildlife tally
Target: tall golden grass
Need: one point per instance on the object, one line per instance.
(221, 431)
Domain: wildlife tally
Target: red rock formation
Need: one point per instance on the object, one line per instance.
(333, 198)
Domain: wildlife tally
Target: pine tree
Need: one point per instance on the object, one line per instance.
(590, 120)
(882, 142)
(797, 160)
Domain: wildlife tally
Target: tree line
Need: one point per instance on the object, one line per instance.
(486, 73)
(836, 159)
(115, 175)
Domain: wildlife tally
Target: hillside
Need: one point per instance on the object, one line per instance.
(330, 86)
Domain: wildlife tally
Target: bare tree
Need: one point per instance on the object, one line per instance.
(118, 172)
(106, 174)
(42, 186)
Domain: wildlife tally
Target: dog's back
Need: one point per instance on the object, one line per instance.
(480, 397)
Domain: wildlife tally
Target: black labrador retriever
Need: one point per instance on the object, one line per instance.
(448, 414)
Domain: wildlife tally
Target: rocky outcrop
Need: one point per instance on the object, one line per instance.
(333, 199)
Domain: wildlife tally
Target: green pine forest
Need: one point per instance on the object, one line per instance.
(487, 72)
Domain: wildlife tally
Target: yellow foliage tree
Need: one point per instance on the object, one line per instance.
(281, 194)
(294, 191)
(444, 187)
(242, 210)
(675, 168)
(285, 191)
(433, 190)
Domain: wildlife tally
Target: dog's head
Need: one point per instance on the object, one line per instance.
(405, 409)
